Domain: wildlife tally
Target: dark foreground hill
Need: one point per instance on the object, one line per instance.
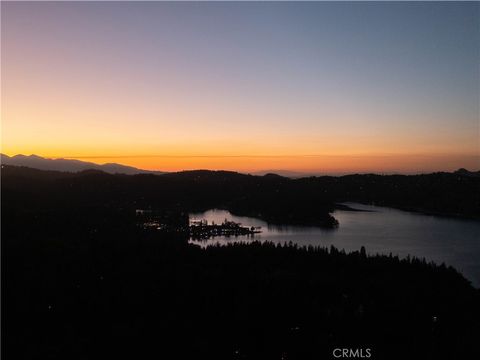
(96, 288)
(80, 279)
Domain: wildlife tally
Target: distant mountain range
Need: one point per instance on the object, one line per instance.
(70, 165)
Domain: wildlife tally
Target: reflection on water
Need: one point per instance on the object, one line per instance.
(455, 242)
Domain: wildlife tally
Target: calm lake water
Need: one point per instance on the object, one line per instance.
(455, 242)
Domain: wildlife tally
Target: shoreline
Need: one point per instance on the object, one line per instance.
(343, 207)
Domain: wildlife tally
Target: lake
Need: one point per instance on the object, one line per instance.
(453, 241)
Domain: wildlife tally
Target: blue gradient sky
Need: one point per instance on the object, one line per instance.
(327, 87)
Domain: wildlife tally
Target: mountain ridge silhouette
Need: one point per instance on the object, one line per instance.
(71, 165)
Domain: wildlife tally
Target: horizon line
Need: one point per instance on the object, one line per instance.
(246, 156)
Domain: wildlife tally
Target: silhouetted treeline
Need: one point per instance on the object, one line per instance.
(96, 290)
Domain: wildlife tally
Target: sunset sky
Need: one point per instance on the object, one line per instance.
(314, 87)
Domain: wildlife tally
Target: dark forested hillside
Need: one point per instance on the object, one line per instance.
(278, 199)
(80, 280)
(454, 194)
(271, 197)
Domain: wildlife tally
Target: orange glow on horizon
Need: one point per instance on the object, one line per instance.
(321, 164)
(157, 92)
